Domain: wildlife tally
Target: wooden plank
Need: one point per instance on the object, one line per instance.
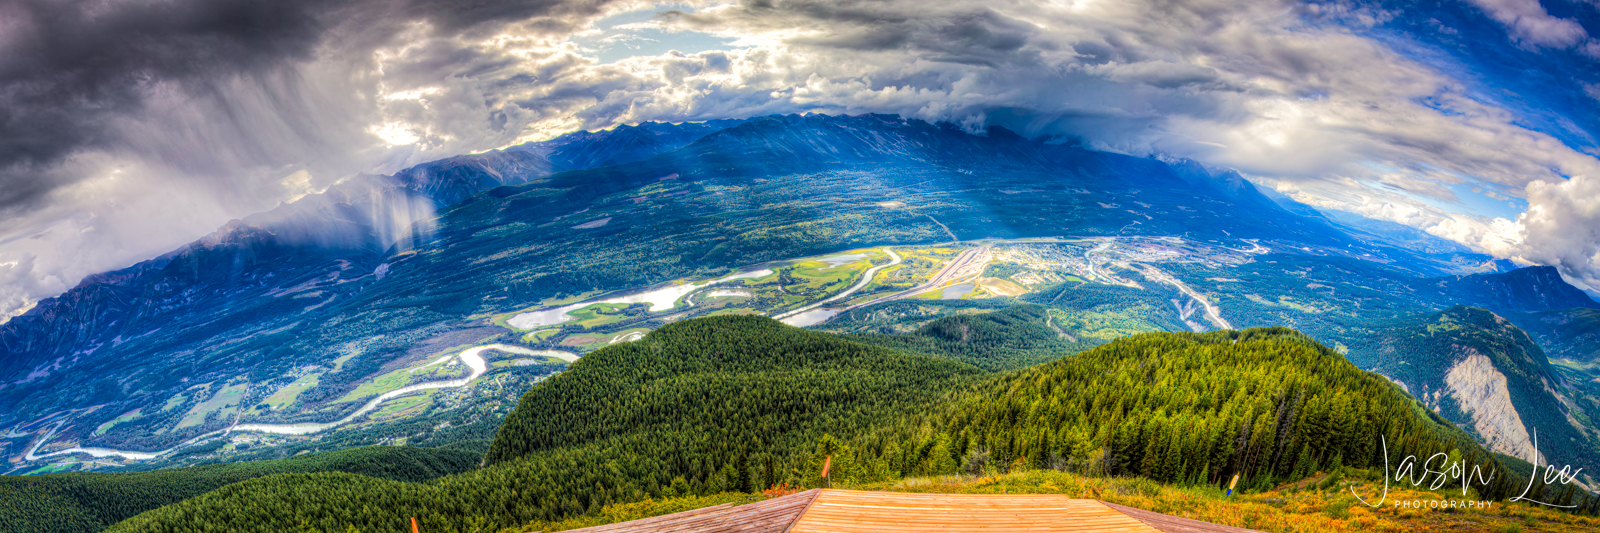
(848, 511)
(1174, 524)
(844, 511)
(768, 516)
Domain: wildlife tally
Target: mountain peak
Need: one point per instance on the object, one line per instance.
(1534, 288)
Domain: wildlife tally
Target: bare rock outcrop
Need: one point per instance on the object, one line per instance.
(1480, 389)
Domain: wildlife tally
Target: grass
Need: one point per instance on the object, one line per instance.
(402, 377)
(819, 274)
(174, 402)
(287, 395)
(501, 318)
(339, 363)
(1297, 507)
(541, 335)
(451, 369)
(55, 468)
(225, 403)
(130, 415)
(1001, 287)
(583, 343)
(1260, 300)
(400, 405)
(598, 314)
(889, 276)
(380, 385)
(734, 311)
(625, 335)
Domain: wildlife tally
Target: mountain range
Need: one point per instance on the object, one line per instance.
(308, 313)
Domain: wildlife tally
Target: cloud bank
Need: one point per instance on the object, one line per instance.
(172, 117)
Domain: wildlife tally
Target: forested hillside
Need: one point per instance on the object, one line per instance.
(1007, 339)
(1565, 333)
(498, 234)
(738, 403)
(1459, 359)
(89, 502)
(726, 403)
(1269, 404)
(721, 387)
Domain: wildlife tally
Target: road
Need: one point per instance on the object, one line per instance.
(965, 266)
(952, 234)
(866, 278)
(472, 357)
(1213, 314)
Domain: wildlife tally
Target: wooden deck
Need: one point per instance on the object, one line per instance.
(1173, 524)
(766, 516)
(849, 511)
(852, 511)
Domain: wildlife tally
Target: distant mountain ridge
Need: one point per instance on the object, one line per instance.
(1565, 333)
(226, 283)
(1480, 371)
(736, 403)
(1536, 288)
(623, 144)
(371, 274)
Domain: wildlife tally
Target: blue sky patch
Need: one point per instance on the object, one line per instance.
(618, 40)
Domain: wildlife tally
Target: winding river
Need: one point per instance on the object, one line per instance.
(473, 357)
(659, 300)
(809, 315)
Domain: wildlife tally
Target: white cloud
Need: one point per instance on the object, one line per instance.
(1323, 111)
(1562, 227)
(1528, 22)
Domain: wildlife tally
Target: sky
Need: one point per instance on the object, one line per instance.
(131, 127)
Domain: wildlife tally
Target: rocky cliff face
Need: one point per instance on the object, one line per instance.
(1480, 371)
(1481, 392)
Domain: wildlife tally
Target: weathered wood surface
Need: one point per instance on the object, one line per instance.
(848, 511)
(1173, 524)
(851, 511)
(767, 516)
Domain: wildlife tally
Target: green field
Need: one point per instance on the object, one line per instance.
(174, 401)
(338, 363)
(287, 395)
(399, 405)
(130, 415)
(818, 274)
(225, 403)
(499, 319)
(402, 377)
(540, 335)
(599, 314)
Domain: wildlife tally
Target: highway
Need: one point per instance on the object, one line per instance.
(966, 266)
(866, 278)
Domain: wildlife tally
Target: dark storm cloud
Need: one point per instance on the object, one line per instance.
(111, 114)
(66, 66)
(69, 67)
(958, 34)
(129, 127)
